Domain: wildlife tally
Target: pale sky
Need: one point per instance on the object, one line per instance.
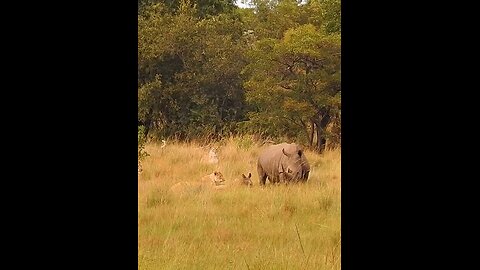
(242, 3)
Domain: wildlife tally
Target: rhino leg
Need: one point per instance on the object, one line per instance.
(282, 179)
(273, 180)
(262, 176)
(305, 177)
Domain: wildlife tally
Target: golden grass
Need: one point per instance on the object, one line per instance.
(274, 227)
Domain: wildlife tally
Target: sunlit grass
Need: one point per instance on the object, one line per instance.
(275, 227)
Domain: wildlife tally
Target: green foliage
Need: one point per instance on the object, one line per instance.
(294, 81)
(141, 143)
(331, 14)
(203, 8)
(207, 69)
(189, 82)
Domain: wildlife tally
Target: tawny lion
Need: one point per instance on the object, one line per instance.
(208, 182)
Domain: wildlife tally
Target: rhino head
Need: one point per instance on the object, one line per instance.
(295, 165)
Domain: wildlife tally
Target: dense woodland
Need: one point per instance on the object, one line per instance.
(208, 69)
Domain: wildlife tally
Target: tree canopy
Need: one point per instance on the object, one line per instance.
(208, 69)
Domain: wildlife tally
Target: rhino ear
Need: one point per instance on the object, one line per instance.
(285, 153)
(249, 175)
(300, 152)
(243, 175)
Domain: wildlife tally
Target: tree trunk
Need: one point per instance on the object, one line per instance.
(321, 123)
(312, 133)
(319, 130)
(148, 122)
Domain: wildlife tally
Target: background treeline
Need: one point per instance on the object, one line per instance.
(208, 69)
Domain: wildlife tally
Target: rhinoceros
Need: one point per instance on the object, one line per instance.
(283, 163)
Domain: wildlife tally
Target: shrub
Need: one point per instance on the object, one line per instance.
(141, 146)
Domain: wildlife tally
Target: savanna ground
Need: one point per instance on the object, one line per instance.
(275, 227)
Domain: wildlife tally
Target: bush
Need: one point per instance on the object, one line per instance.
(141, 145)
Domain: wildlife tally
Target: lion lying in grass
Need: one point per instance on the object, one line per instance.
(208, 182)
(213, 181)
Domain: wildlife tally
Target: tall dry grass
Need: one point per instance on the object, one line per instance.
(275, 227)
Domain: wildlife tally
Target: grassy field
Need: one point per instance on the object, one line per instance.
(274, 227)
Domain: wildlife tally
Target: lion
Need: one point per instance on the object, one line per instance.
(212, 181)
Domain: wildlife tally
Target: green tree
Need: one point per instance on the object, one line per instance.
(294, 83)
(189, 72)
(271, 18)
(203, 8)
(196, 58)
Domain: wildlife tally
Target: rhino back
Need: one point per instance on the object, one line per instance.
(270, 159)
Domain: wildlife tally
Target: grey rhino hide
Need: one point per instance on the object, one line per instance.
(305, 168)
(282, 163)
